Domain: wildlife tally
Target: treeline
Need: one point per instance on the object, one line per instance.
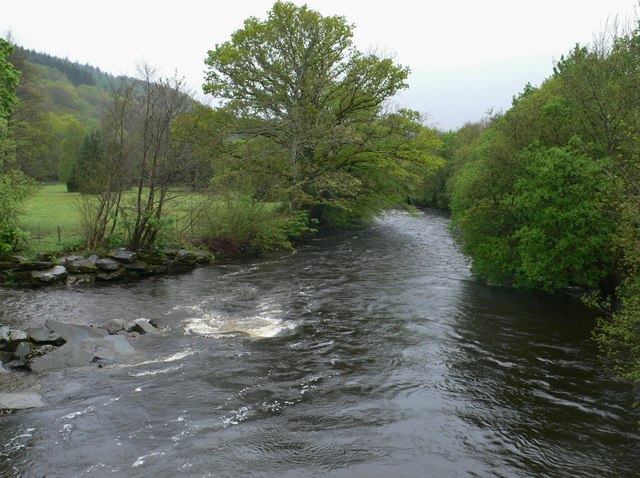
(59, 102)
(546, 195)
(304, 139)
(78, 74)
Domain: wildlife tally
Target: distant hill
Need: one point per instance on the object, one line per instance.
(60, 102)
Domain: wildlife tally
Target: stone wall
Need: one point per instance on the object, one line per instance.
(117, 265)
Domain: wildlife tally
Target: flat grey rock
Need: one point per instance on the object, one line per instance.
(138, 266)
(73, 332)
(185, 255)
(111, 348)
(66, 260)
(56, 273)
(22, 351)
(122, 255)
(34, 265)
(106, 264)
(44, 335)
(20, 401)
(9, 335)
(69, 355)
(143, 326)
(82, 266)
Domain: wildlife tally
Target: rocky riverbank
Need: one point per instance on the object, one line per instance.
(117, 265)
(57, 345)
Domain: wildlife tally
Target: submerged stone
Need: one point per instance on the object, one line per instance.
(111, 276)
(20, 401)
(77, 279)
(153, 269)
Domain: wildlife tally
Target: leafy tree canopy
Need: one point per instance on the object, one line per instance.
(296, 80)
(14, 187)
(9, 79)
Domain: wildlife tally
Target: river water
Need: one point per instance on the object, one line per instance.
(368, 354)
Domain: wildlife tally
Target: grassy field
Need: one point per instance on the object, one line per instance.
(52, 217)
(53, 220)
(49, 210)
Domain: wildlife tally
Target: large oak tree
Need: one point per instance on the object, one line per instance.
(297, 81)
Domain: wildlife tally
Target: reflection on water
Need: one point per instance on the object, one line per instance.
(372, 353)
(535, 385)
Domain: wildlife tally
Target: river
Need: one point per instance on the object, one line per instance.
(372, 353)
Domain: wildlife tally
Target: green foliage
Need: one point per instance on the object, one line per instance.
(618, 333)
(547, 196)
(14, 186)
(240, 224)
(565, 233)
(529, 203)
(9, 79)
(78, 74)
(435, 190)
(310, 127)
(14, 189)
(89, 175)
(59, 102)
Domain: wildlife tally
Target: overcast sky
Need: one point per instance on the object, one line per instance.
(466, 56)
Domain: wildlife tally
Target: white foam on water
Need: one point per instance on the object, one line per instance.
(154, 372)
(236, 416)
(73, 415)
(14, 443)
(265, 323)
(170, 358)
(258, 326)
(140, 460)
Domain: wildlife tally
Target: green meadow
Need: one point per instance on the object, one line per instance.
(51, 216)
(53, 220)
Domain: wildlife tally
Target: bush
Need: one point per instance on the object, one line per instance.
(14, 188)
(240, 224)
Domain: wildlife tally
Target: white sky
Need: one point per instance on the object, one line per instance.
(466, 56)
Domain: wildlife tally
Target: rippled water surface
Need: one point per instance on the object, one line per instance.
(368, 354)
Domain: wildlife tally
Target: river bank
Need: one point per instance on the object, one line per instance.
(117, 265)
